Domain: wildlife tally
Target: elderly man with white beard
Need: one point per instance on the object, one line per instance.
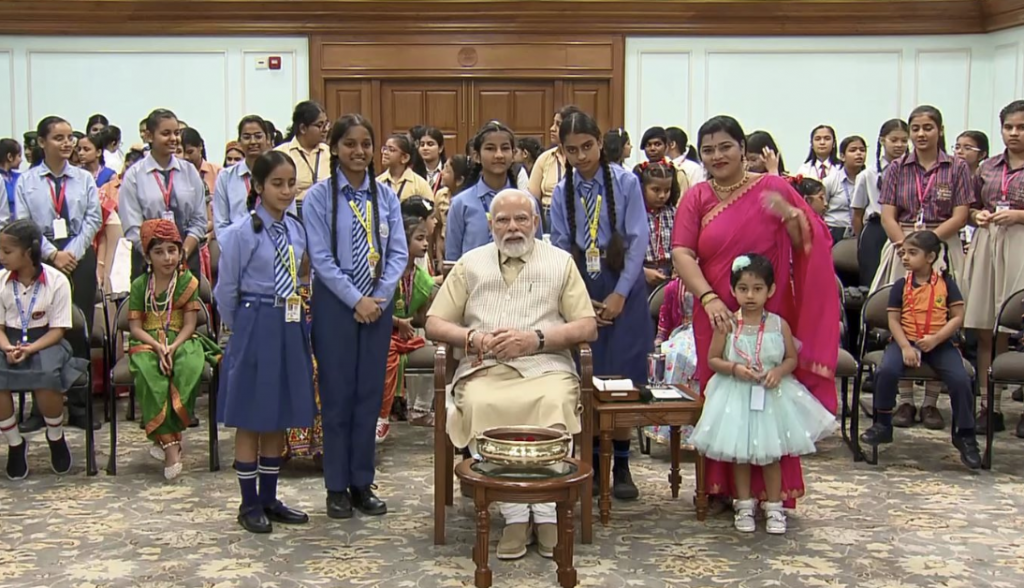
(514, 308)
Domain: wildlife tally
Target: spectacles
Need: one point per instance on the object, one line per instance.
(385, 150)
(966, 148)
(321, 125)
(254, 137)
(521, 220)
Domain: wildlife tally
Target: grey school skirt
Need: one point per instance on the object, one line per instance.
(53, 368)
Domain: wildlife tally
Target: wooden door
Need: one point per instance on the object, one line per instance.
(525, 106)
(441, 104)
(593, 97)
(347, 97)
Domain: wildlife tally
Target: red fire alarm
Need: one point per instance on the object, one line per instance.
(274, 62)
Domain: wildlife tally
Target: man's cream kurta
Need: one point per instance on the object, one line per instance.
(487, 291)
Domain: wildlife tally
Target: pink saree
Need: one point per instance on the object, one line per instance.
(721, 230)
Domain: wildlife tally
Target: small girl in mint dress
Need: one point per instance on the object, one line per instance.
(755, 411)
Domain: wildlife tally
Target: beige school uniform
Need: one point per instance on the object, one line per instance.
(486, 291)
(547, 172)
(407, 186)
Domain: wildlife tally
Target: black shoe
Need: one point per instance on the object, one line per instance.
(193, 421)
(17, 461)
(877, 435)
(905, 416)
(33, 423)
(367, 502)
(623, 487)
(1018, 395)
(60, 455)
(1020, 427)
(280, 513)
(981, 422)
(339, 505)
(79, 421)
(597, 476)
(969, 453)
(254, 520)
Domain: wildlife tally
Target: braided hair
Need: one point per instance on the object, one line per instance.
(264, 165)
(338, 132)
(579, 123)
(476, 167)
(659, 170)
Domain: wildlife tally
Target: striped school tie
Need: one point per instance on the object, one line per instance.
(283, 284)
(486, 200)
(589, 191)
(362, 277)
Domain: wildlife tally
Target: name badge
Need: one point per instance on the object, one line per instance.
(593, 260)
(373, 258)
(292, 309)
(168, 215)
(1002, 206)
(919, 224)
(757, 398)
(60, 228)
(944, 191)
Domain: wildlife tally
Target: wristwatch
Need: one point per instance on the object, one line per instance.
(540, 340)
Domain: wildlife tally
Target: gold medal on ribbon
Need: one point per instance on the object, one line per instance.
(374, 259)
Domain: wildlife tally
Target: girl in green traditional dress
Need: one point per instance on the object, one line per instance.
(411, 302)
(166, 355)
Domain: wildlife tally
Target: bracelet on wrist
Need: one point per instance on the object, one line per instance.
(708, 299)
(732, 370)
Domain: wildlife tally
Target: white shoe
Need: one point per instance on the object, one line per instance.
(156, 452)
(743, 519)
(775, 518)
(383, 428)
(172, 472)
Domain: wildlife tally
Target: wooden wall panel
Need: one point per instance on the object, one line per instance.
(1002, 14)
(563, 17)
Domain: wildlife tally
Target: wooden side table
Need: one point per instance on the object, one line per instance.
(609, 416)
(564, 491)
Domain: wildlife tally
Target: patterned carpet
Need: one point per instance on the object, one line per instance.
(919, 519)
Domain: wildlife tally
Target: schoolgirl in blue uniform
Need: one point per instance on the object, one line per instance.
(266, 378)
(598, 215)
(358, 252)
(469, 216)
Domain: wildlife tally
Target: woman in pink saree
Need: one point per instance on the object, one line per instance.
(737, 212)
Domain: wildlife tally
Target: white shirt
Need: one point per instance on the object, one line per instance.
(53, 301)
(838, 197)
(817, 169)
(693, 170)
(114, 160)
(866, 190)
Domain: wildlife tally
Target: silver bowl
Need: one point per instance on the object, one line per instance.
(523, 445)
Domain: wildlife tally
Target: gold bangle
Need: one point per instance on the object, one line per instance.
(710, 299)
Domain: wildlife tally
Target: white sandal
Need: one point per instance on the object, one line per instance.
(173, 471)
(156, 452)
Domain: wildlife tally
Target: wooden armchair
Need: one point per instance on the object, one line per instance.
(444, 451)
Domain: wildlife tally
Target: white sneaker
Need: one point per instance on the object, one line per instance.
(775, 518)
(743, 519)
(383, 428)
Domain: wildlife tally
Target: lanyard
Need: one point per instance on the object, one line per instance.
(289, 262)
(754, 362)
(558, 167)
(1007, 177)
(58, 201)
(658, 241)
(923, 192)
(26, 316)
(592, 223)
(165, 191)
(366, 222)
(406, 289)
(908, 293)
(314, 171)
(401, 189)
(248, 186)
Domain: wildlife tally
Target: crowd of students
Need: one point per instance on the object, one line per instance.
(308, 246)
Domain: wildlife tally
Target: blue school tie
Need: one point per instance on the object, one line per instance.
(486, 200)
(283, 285)
(589, 191)
(362, 278)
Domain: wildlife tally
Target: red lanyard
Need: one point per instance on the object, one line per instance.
(754, 362)
(248, 187)
(659, 245)
(165, 191)
(1007, 178)
(58, 201)
(908, 296)
(922, 192)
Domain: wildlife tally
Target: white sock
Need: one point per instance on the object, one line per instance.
(9, 427)
(54, 427)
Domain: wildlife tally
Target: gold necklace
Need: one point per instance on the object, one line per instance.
(729, 189)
